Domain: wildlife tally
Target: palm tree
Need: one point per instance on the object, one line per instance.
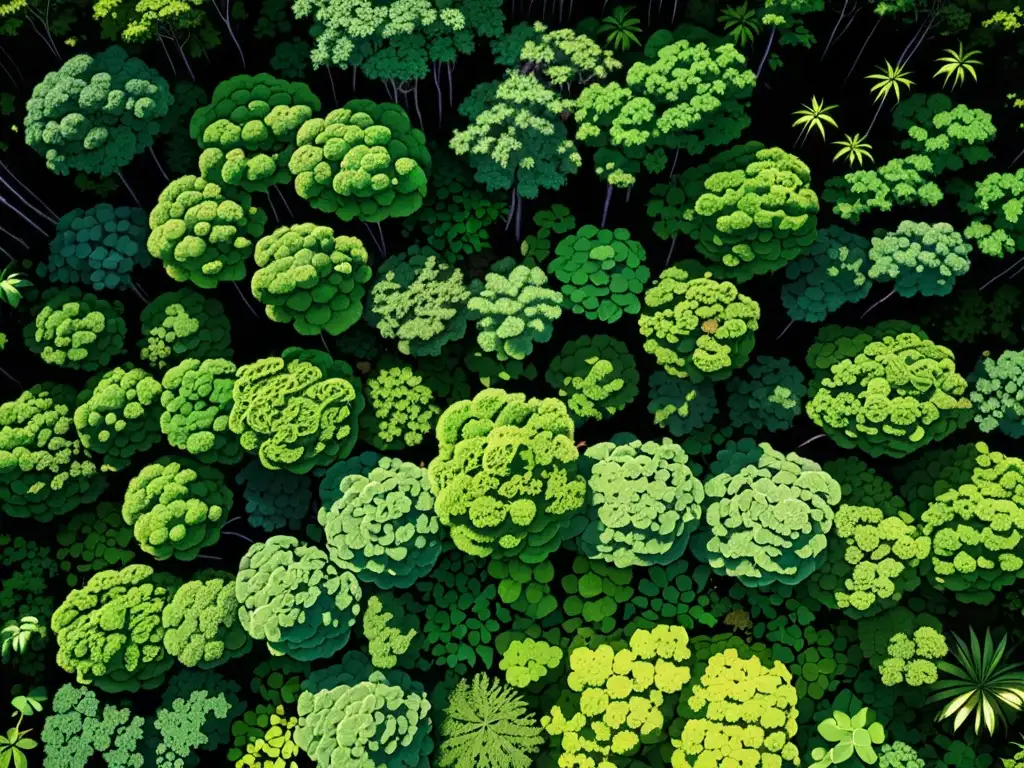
(890, 79)
(740, 24)
(979, 684)
(958, 64)
(814, 116)
(11, 284)
(854, 149)
(621, 29)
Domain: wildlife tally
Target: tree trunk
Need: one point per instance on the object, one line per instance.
(764, 57)
(832, 37)
(158, 165)
(129, 188)
(607, 202)
(862, 48)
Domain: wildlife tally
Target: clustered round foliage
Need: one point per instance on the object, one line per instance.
(833, 273)
(920, 258)
(419, 301)
(118, 414)
(98, 247)
(177, 507)
(911, 659)
(202, 233)
(891, 397)
(44, 468)
(766, 395)
(293, 597)
(363, 161)
(201, 623)
(643, 500)
(297, 411)
(76, 330)
(682, 407)
(602, 271)
(94, 540)
(767, 516)
(401, 408)
(311, 279)
(595, 376)
(274, 500)
(513, 309)
(181, 324)
(998, 394)
(196, 402)
(247, 131)
(697, 327)
(380, 523)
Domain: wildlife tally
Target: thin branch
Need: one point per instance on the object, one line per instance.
(31, 223)
(41, 214)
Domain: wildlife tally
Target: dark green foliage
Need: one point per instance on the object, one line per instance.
(833, 273)
(183, 324)
(274, 500)
(98, 247)
(196, 715)
(766, 395)
(998, 394)
(919, 258)
(976, 316)
(686, 410)
(595, 376)
(94, 540)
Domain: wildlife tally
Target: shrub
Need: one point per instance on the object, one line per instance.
(526, 662)
(696, 327)
(44, 469)
(311, 279)
(400, 407)
(118, 414)
(686, 410)
(767, 395)
(594, 592)
(505, 506)
(513, 309)
(196, 402)
(997, 222)
(292, 596)
(911, 658)
(267, 735)
(247, 131)
(920, 258)
(602, 272)
(893, 397)
(382, 526)
(201, 623)
(109, 632)
(362, 161)
(81, 726)
(274, 500)
(419, 301)
(645, 502)
(297, 411)
(94, 540)
(177, 507)
(392, 630)
(76, 330)
(668, 595)
(998, 394)
(767, 518)
(183, 324)
(201, 233)
(833, 273)
(595, 376)
(98, 247)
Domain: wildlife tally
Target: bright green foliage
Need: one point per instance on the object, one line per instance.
(934, 472)
(620, 695)
(195, 714)
(920, 258)
(904, 181)
(292, 596)
(82, 727)
(858, 733)
(998, 211)
(595, 376)
(767, 518)
(274, 500)
(93, 540)
(911, 659)
(951, 135)
(196, 402)
(895, 396)
(562, 56)
(201, 623)
(899, 755)
(463, 614)
(364, 161)
(389, 636)
(278, 680)
(668, 595)
(977, 529)
(486, 723)
(998, 394)
(686, 410)
(767, 395)
(526, 662)
(181, 324)
(696, 327)
(297, 411)
(835, 343)
(96, 113)
(400, 407)
(602, 272)
(833, 273)
(311, 279)
(505, 478)
(516, 138)
(98, 247)
(118, 415)
(747, 710)
(456, 213)
(750, 210)
(872, 559)
(513, 309)
(875, 632)
(382, 526)
(44, 469)
(177, 506)
(109, 632)
(643, 501)
(76, 330)
(690, 97)
(291, 58)
(247, 131)
(419, 301)
(267, 735)
(202, 233)
(374, 719)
